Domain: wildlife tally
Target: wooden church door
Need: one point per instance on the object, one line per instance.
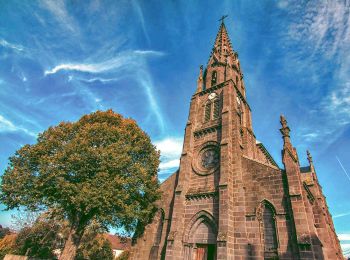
(201, 252)
(205, 252)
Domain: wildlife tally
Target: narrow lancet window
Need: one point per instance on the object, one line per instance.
(207, 111)
(269, 227)
(158, 235)
(216, 112)
(214, 78)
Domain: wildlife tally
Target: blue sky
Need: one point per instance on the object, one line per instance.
(62, 59)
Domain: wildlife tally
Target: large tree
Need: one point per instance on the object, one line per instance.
(102, 168)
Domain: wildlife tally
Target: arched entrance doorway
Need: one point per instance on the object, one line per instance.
(201, 237)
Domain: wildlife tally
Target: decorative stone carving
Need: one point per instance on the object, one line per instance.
(211, 129)
(172, 235)
(259, 211)
(222, 236)
(201, 193)
(304, 239)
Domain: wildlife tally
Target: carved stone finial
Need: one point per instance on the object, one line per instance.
(283, 121)
(285, 129)
(309, 157)
(200, 79)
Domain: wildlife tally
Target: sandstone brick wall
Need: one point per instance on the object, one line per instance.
(265, 183)
(151, 244)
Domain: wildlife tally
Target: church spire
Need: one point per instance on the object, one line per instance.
(223, 63)
(222, 46)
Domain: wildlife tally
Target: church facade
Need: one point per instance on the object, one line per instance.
(229, 199)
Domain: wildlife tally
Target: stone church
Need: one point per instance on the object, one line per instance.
(229, 199)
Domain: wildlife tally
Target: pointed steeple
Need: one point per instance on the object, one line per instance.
(223, 63)
(222, 47)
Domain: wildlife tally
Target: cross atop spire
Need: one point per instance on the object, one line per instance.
(223, 18)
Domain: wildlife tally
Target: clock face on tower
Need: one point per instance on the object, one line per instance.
(212, 96)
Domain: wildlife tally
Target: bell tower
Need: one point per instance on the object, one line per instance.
(209, 196)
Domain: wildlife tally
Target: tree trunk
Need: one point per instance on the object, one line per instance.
(71, 245)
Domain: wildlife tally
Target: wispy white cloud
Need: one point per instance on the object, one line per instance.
(343, 168)
(170, 147)
(170, 150)
(94, 79)
(145, 80)
(324, 25)
(13, 46)
(7, 126)
(310, 136)
(22, 77)
(283, 4)
(131, 61)
(322, 29)
(92, 68)
(338, 103)
(124, 59)
(169, 164)
(49, 98)
(344, 237)
(59, 11)
(139, 13)
(346, 249)
(149, 52)
(97, 79)
(342, 215)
